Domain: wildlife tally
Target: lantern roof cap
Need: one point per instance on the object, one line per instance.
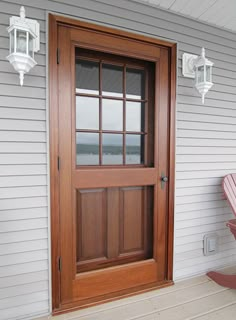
(20, 23)
(202, 60)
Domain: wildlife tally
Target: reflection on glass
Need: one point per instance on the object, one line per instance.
(21, 41)
(87, 77)
(87, 148)
(112, 80)
(134, 116)
(31, 45)
(87, 113)
(135, 84)
(112, 114)
(133, 149)
(12, 41)
(200, 74)
(208, 73)
(112, 148)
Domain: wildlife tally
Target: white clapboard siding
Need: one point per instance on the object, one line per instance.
(20, 281)
(23, 158)
(23, 247)
(13, 181)
(206, 147)
(24, 235)
(20, 102)
(35, 169)
(22, 136)
(21, 192)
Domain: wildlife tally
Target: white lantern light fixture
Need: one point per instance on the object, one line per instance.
(199, 68)
(24, 41)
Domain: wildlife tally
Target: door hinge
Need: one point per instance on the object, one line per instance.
(59, 264)
(58, 163)
(58, 55)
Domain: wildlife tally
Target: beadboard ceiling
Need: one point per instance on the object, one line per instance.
(221, 13)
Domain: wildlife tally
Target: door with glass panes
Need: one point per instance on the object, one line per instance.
(113, 149)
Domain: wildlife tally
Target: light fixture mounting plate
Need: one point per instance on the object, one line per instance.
(188, 66)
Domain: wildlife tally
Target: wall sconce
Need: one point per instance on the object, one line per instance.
(24, 41)
(200, 68)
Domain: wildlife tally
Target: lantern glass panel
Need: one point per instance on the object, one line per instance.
(31, 46)
(208, 73)
(12, 41)
(200, 74)
(21, 41)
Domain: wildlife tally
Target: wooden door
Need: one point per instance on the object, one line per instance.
(113, 152)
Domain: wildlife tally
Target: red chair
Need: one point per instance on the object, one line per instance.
(229, 187)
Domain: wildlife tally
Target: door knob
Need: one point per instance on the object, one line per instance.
(164, 179)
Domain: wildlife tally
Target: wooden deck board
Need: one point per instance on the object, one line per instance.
(197, 298)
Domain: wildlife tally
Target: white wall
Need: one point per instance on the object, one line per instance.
(206, 148)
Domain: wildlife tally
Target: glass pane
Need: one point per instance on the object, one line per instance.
(112, 148)
(31, 43)
(87, 148)
(21, 41)
(135, 84)
(12, 41)
(133, 149)
(200, 74)
(112, 115)
(112, 80)
(87, 113)
(87, 77)
(208, 73)
(134, 118)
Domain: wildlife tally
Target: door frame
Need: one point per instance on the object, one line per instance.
(53, 56)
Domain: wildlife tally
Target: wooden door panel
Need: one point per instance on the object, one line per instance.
(132, 222)
(113, 219)
(91, 224)
(113, 227)
(102, 282)
(114, 177)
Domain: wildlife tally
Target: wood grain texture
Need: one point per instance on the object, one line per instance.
(76, 290)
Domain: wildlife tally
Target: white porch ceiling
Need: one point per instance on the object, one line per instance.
(221, 13)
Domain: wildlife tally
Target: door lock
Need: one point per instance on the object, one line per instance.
(164, 179)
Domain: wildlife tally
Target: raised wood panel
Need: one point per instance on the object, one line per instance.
(114, 226)
(91, 224)
(132, 227)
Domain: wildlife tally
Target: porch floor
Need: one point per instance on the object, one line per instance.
(197, 298)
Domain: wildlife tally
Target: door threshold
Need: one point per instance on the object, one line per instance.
(74, 306)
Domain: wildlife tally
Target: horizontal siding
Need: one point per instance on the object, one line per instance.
(24, 267)
(206, 148)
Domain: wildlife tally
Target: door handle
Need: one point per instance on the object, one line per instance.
(164, 179)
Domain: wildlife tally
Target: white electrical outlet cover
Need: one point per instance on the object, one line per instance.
(210, 244)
